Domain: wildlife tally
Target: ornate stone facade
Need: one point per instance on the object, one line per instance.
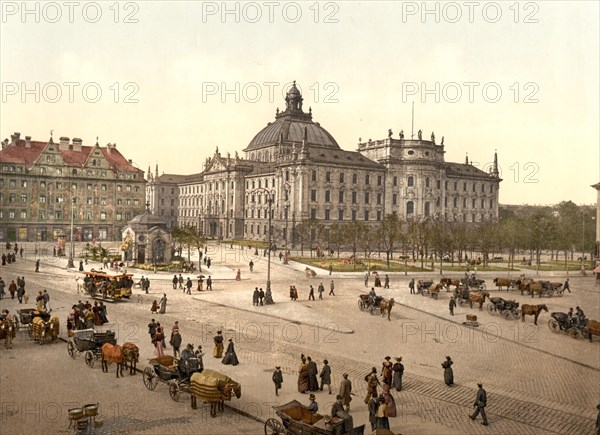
(298, 165)
(146, 239)
(42, 182)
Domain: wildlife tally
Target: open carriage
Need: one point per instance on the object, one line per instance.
(507, 309)
(296, 419)
(166, 369)
(89, 343)
(24, 319)
(365, 304)
(107, 286)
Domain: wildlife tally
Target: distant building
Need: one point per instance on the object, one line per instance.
(297, 164)
(147, 239)
(597, 248)
(162, 193)
(41, 182)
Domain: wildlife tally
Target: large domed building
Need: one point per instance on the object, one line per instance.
(298, 165)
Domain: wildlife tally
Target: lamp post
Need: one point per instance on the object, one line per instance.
(270, 202)
(72, 247)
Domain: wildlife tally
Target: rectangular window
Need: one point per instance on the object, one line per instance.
(42, 184)
(42, 214)
(353, 197)
(313, 213)
(327, 196)
(474, 186)
(313, 195)
(367, 179)
(119, 216)
(491, 203)
(379, 180)
(366, 197)
(354, 178)
(23, 197)
(103, 187)
(314, 175)
(473, 203)
(137, 202)
(128, 188)
(119, 188)
(341, 177)
(23, 183)
(482, 203)
(88, 215)
(12, 183)
(395, 181)
(464, 187)
(58, 199)
(102, 201)
(341, 196)
(23, 214)
(328, 177)
(128, 201)
(119, 201)
(102, 215)
(327, 214)
(394, 199)
(88, 186)
(57, 215)
(378, 215)
(88, 200)
(465, 202)
(379, 199)
(11, 197)
(353, 215)
(455, 202)
(366, 215)
(455, 185)
(341, 214)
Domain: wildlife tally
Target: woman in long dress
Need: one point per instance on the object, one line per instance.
(163, 304)
(398, 370)
(303, 376)
(389, 401)
(230, 355)
(97, 321)
(157, 340)
(448, 373)
(238, 275)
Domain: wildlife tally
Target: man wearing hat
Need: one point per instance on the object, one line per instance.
(346, 391)
(313, 406)
(372, 383)
(277, 379)
(480, 403)
(337, 410)
(218, 347)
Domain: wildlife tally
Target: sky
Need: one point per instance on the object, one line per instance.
(168, 82)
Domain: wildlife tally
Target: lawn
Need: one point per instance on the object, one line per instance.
(343, 265)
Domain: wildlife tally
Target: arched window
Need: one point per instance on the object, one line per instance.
(411, 181)
(410, 208)
(427, 182)
(426, 211)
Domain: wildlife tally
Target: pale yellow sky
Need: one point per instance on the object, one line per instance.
(178, 79)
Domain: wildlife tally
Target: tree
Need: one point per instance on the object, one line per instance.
(336, 237)
(190, 236)
(390, 233)
(353, 234)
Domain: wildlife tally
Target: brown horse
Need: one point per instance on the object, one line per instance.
(447, 282)
(592, 328)
(504, 282)
(532, 310)
(213, 388)
(386, 305)
(131, 354)
(112, 353)
(478, 298)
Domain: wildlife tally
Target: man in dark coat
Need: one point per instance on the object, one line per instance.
(398, 372)
(566, 286)
(230, 355)
(175, 281)
(175, 342)
(188, 285)
(373, 405)
(346, 391)
(277, 379)
(311, 293)
(452, 305)
(337, 410)
(209, 281)
(411, 286)
(152, 329)
(37, 265)
(480, 403)
(261, 296)
(255, 296)
(325, 375)
(313, 383)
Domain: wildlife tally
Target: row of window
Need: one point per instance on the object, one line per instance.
(12, 183)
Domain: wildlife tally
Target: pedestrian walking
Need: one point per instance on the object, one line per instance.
(21, 293)
(367, 279)
(238, 275)
(566, 286)
(188, 285)
(382, 417)
(303, 375)
(321, 289)
(180, 281)
(480, 404)
(311, 293)
(255, 296)
(209, 283)
(12, 289)
(80, 265)
(389, 400)
(175, 281)
(261, 296)
(398, 372)
(331, 288)
(372, 383)
(208, 263)
(386, 370)
(154, 307)
(411, 286)
(346, 391)
(330, 268)
(452, 305)
(2, 285)
(230, 355)
(218, 345)
(313, 383)
(175, 342)
(372, 406)
(386, 281)
(448, 373)
(157, 340)
(46, 299)
(147, 284)
(37, 265)
(277, 379)
(251, 265)
(325, 376)
(163, 304)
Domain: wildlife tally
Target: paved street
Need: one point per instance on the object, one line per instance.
(537, 381)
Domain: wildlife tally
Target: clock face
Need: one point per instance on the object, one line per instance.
(141, 238)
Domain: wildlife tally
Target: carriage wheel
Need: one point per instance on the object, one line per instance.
(461, 302)
(560, 293)
(274, 427)
(515, 314)
(89, 358)
(71, 349)
(574, 333)
(507, 315)
(491, 308)
(482, 286)
(553, 325)
(150, 378)
(361, 305)
(550, 293)
(174, 390)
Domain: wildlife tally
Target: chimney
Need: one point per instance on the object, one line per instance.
(77, 144)
(130, 161)
(64, 144)
(17, 136)
(5, 143)
(108, 148)
(27, 141)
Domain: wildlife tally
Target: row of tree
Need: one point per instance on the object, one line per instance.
(561, 229)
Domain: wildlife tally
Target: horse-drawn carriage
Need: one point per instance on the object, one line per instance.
(430, 288)
(166, 369)
(585, 329)
(510, 284)
(366, 304)
(42, 330)
(213, 387)
(103, 285)
(465, 296)
(544, 288)
(24, 319)
(508, 310)
(89, 342)
(298, 419)
(474, 283)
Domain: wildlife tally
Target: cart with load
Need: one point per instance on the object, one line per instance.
(169, 370)
(25, 316)
(297, 419)
(213, 387)
(89, 342)
(107, 286)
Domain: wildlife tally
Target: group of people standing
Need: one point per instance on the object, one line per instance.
(230, 357)
(17, 288)
(85, 316)
(259, 297)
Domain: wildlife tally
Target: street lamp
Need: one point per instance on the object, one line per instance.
(270, 202)
(72, 248)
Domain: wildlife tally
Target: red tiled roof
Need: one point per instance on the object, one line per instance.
(20, 154)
